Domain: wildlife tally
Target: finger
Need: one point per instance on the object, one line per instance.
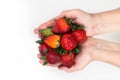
(44, 25)
(38, 56)
(74, 13)
(41, 61)
(70, 13)
(82, 60)
(67, 13)
(72, 69)
(51, 65)
(54, 65)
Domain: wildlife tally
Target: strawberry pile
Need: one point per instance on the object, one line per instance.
(60, 43)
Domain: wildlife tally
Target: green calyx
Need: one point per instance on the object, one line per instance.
(39, 41)
(72, 24)
(45, 63)
(46, 32)
(44, 58)
(76, 27)
(60, 50)
(76, 50)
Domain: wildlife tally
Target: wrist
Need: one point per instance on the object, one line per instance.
(96, 24)
(93, 46)
(97, 50)
(105, 22)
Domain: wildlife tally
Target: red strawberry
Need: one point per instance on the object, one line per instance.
(44, 49)
(53, 57)
(79, 35)
(68, 59)
(55, 28)
(61, 26)
(68, 42)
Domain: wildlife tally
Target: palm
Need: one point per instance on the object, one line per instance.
(85, 19)
(83, 58)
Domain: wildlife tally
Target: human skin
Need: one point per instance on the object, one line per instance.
(106, 22)
(93, 49)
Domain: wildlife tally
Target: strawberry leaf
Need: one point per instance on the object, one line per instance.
(46, 32)
(39, 41)
(60, 50)
(76, 50)
(40, 31)
(43, 58)
(80, 27)
(73, 25)
(45, 63)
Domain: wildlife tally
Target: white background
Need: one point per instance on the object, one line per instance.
(18, 50)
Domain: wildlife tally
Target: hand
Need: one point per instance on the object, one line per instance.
(92, 49)
(83, 18)
(83, 58)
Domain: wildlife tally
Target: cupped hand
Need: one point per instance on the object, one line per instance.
(85, 55)
(82, 17)
(81, 60)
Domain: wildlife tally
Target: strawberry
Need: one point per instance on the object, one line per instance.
(43, 49)
(53, 57)
(67, 59)
(52, 41)
(61, 26)
(79, 35)
(68, 42)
